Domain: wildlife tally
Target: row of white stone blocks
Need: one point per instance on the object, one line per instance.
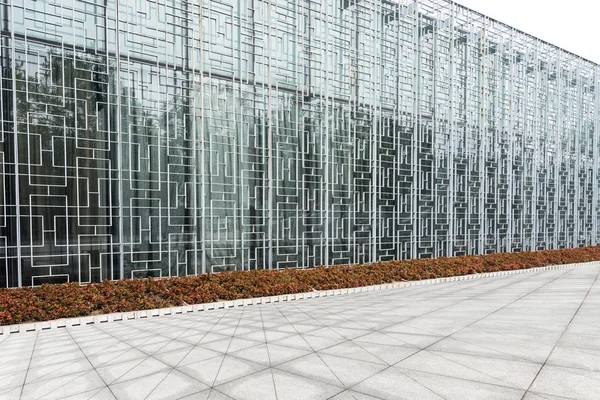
(133, 315)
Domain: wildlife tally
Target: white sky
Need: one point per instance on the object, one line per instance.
(573, 25)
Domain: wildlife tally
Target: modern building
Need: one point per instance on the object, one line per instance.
(178, 137)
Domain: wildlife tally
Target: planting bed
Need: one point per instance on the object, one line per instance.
(50, 302)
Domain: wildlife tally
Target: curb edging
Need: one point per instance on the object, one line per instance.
(222, 305)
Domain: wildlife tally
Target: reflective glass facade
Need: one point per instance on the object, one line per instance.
(173, 137)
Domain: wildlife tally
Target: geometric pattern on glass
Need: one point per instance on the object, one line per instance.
(171, 138)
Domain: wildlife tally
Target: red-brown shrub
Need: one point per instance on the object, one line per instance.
(48, 302)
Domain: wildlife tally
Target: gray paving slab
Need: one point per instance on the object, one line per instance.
(522, 336)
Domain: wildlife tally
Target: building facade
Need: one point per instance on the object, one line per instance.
(179, 137)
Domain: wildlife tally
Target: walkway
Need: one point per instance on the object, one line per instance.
(531, 336)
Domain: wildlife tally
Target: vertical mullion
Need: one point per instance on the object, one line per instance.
(16, 146)
(119, 141)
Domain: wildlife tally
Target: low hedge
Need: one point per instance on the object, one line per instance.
(48, 302)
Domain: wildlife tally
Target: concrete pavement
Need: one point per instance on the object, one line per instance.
(525, 336)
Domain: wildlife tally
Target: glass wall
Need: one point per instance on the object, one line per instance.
(170, 138)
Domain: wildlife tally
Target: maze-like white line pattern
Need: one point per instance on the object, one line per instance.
(172, 138)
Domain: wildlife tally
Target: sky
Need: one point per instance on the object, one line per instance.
(573, 25)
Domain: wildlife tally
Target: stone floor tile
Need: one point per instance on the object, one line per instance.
(221, 369)
(351, 395)
(110, 357)
(240, 344)
(440, 326)
(15, 351)
(203, 395)
(97, 394)
(313, 367)
(11, 394)
(588, 326)
(353, 351)
(202, 338)
(326, 332)
(388, 354)
(350, 371)
(349, 333)
(493, 371)
(572, 357)
(234, 368)
(257, 335)
(493, 349)
(11, 379)
(460, 389)
(567, 382)
(150, 348)
(101, 345)
(175, 386)
(259, 386)
(63, 386)
(421, 341)
(57, 370)
(515, 331)
(258, 354)
(197, 354)
(17, 363)
(173, 345)
(129, 370)
(580, 341)
(351, 324)
(294, 387)
(103, 394)
(270, 354)
(56, 359)
(382, 338)
(393, 384)
(205, 370)
(317, 343)
(543, 396)
(139, 388)
(214, 394)
(173, 357)
(295, 341)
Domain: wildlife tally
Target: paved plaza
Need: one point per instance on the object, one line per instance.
(525, 336)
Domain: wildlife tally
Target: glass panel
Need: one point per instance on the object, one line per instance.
(167, 138)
